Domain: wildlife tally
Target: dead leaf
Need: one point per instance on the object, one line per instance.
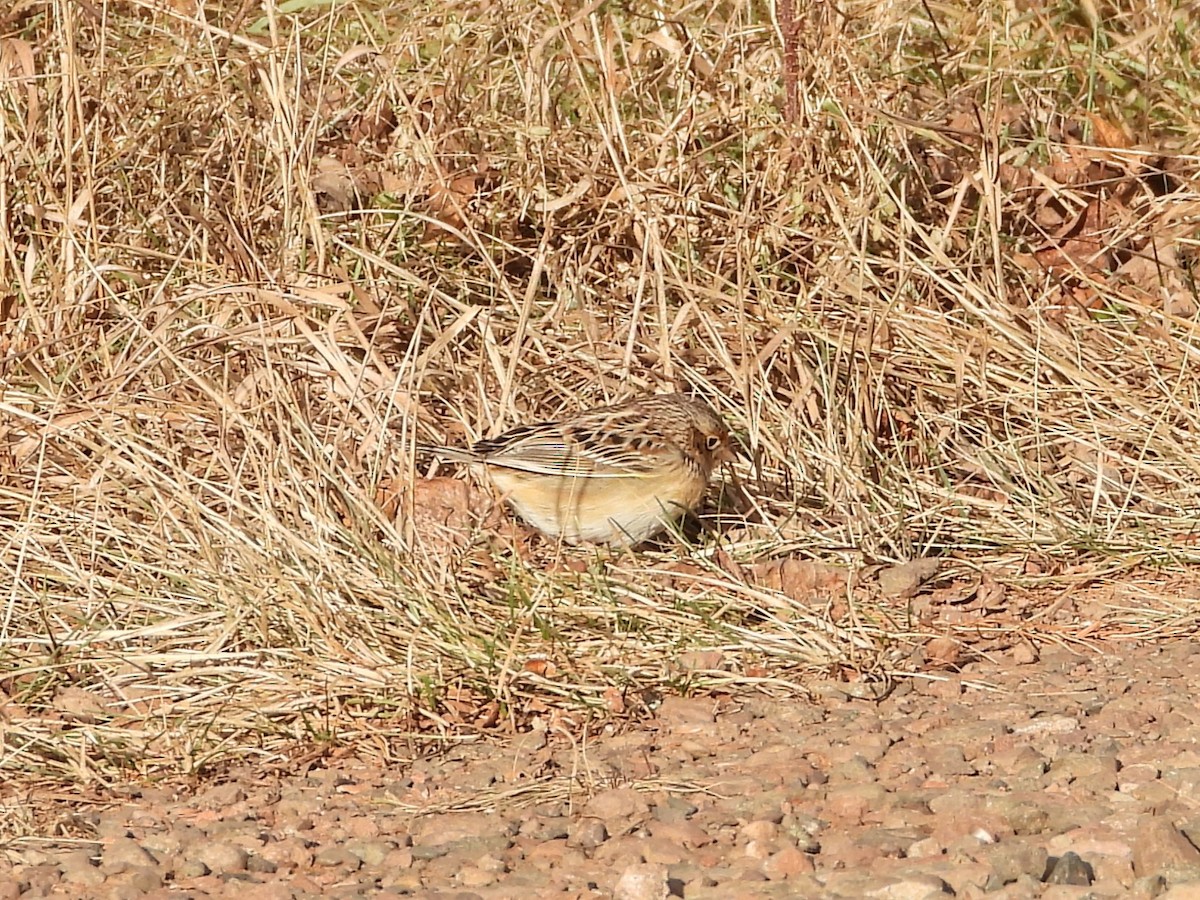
(80, 704)
(447, 204)
(541, 666)
(905, 580)
(799, 579)
(1109, 134)
(17, 65)
(614, 700)
(374, 125)
(1024, 653)
(334, 186)
(943, 653)
(701, 661)
(445, 511)
(728, 565)
(992, 594)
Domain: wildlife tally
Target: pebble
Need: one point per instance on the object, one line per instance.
(1061, 793)
(221, 857)
(1070, 869)
(1160, 848)
(587, 834)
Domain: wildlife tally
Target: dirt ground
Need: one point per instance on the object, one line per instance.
(1075, 774)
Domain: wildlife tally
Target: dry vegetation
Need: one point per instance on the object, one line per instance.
(942, 290)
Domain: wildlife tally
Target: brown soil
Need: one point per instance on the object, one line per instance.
(1076, 774)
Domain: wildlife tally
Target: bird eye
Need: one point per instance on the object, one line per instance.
(713, 443)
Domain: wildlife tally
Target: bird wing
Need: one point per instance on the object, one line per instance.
(551, 449)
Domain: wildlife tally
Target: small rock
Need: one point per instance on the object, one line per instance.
(1160, 849)
(145, 879)
(1070, 869)
(618, 805)
(917, 887)
(221, 857)
(548, 854)
(545, 828)
(1021, 761)
(787, 864)
(760, 830)
(371, 852)
(675, 809)
(1148, 888)
(689, 834)
(760, 850)
(1024, 814)
(643, 881)
(399, 859)
(1186, 891)
(619, 852)
(79, 868)
(587, 834)
(450, 827)
(854, 801)
(687, 715)
(472, 876)
(123, 854)
(1012, 859)
(271, 890)
(666, 852)
(1047, 725)
(221, 797)
(1024, 654)
(261, 865)
(949, 761)
(425, 852)
(337, 857)
(1132, 777)
(191, 868)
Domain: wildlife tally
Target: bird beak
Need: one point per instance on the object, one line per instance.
(733, 450)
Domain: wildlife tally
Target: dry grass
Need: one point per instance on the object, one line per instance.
(247, 263)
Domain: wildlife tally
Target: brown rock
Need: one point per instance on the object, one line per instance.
(1186, 891)
(663, 851)
(854, 801)
(450, 827)
(687, 715)
(760, 830)
(1161, 849)
(617, 808)
(626, 850)
(915, 887)
(587, 834)
(787, 864)
(548, 854)
(642, 881)
(123, 854)
(277, 890)
(689, 834)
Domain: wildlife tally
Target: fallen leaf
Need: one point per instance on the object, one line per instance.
(943, 653)
(614, 700)
(905, 580)
(444, 511)
(447, 203)
(542, 667)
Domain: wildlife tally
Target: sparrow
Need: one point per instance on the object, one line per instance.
(615, 475)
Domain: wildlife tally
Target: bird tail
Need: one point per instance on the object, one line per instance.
(455, 454)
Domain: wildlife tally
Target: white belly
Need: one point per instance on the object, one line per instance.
(618, 511)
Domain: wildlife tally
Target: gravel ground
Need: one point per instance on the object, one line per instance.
(1068, 776)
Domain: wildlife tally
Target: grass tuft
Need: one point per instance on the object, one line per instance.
(247, 263)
